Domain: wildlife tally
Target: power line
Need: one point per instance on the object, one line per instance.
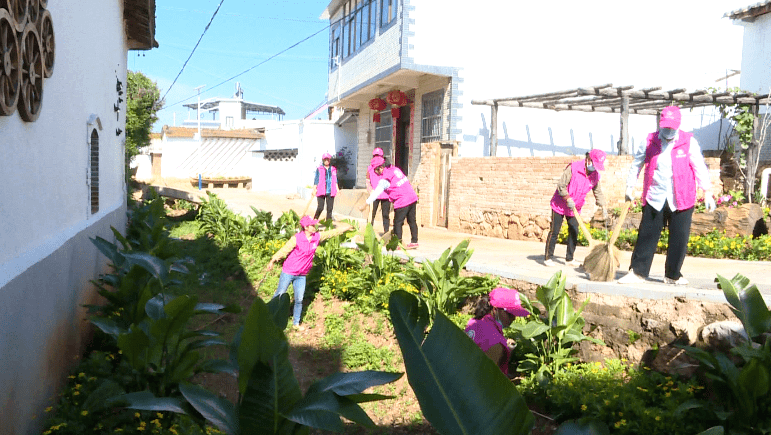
(191, 53)
(250, 68)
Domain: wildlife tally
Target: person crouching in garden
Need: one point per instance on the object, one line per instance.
(382, 200)
(493, 313)
(299, 251)
(326, 185)
(577, 179)
(399, 190)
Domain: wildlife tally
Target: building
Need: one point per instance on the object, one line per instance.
(64, 183)
(404, 72)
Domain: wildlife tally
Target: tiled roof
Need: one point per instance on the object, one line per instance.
(181, 132)
(139, 16)
(750, 12)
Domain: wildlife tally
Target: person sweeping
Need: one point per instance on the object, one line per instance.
(576, 181)
(299, 251)
(673, 167)
(325, 182)
(382, 200)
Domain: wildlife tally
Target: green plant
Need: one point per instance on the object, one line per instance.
(143, 101)
(633, 336)
(743, 382)
(216, 219)
(440, 282)
(547, 338)
(460, 389)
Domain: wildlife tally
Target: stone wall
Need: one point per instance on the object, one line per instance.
(508, 197)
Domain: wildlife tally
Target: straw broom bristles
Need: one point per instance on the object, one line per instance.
(604, 258)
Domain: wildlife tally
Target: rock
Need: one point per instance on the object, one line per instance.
(672, 359)
(723, 335)
(683, 327)
(542, 222)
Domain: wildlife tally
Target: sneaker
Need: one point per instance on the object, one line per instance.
(549, 263)
(298, 328)
(411, 246)
(631, 278)
(679, 281)
(574, 263)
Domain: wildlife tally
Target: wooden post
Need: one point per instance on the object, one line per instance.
(494, 129)
(623, 141)
(752, 156)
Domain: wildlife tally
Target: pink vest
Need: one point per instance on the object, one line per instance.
(486, 333)
(683, 174)
(374, 179)
(321, 188)
(300, 260)
(400, 192)
(580, 184)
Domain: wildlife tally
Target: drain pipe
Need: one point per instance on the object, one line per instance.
(764, 182)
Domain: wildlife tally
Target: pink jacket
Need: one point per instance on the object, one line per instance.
(580, 184)
(374, 179)
(300, 260)
(683, 173)
(486, 333)
(321, 188)
(400, 192)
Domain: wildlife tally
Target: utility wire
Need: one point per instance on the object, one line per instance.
(250, 68)
(191, 53)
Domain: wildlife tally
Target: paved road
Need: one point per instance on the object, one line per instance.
(523, 260)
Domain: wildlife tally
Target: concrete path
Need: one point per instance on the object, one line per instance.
(523, 260)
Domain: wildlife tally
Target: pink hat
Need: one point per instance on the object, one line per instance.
(377, 161)
(598, 159)
(377, 152)
(326, 156)
(306, 221)
(508, 299)
(670, 117)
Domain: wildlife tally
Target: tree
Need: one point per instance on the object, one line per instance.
(142, 103)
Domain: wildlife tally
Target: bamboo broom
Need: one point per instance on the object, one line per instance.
(603, 260)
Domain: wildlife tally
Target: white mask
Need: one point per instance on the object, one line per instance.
(590, 167)
(667, 133)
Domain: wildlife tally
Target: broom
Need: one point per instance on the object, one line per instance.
(603, 260)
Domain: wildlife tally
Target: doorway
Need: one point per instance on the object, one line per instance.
(402, 140)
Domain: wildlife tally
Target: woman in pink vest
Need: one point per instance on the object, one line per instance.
(299, 252)
(673, 167)
(399, 190)
(382, 199)
(491, 315)
(326, 186)
(576, 181)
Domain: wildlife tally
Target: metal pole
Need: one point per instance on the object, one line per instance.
(198, 149)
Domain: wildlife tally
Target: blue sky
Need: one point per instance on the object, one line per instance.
(244, 34)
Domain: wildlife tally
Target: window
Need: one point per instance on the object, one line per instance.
(387, 12)
(93, 175)
(355, 28)
(383, 133)
(229, 122)
(334, 50)
(431, 118)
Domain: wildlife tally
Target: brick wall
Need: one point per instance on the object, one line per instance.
(509, 197)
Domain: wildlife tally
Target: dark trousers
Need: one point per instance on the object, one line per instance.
(330, 200)
(554, 232)
(648, 235)
(408, 212)
(385, 206)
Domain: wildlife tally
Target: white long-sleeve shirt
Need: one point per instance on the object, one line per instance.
(661, 189)
(382, 185)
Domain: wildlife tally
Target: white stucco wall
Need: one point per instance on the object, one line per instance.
(46, 259)
(519, 48)
(756, 54)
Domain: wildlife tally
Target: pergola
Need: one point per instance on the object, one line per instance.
(618, 99)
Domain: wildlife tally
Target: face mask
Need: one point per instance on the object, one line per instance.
(590, 167)
(667, 133)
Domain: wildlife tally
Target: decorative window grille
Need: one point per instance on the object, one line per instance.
(431, 117)
(357, 26)
(287, 155)
(383, 132)
(93, 178)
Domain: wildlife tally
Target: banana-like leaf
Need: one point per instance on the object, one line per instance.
(211, 308)
(279, 310)
(100, 398)
(107, 325)
(747, 304)
(217, 410)
(219, 366)
(109, 250)
(146, 401)
(583, 427)
(133, 344)
(152, 264)
(715, 430)
(460, 389)
(345, 384)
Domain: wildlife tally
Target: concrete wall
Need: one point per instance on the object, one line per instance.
(46, 258)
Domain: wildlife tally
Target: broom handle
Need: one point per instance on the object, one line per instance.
(621, 218)
(307, 205)
(584, 230)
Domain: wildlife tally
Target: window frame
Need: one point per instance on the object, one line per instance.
(433, 120)
(393, 6)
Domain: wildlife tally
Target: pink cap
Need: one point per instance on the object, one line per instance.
(377, 152)
(306, 221)
(598, 159)
(508, 299)
(326, 156)
(377, 161)
(670, 117)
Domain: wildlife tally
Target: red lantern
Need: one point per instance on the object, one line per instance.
(376, 117)
(397, 98)
(395, 113)
(377, 104)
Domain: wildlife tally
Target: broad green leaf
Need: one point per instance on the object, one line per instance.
(133, 344)
(146, 401)
(152, 264)
(100, 398)
(219, 366)
(747, 304)
(220, 412)
(460, 390)
(108, 249)
(270, 394)
(583, 427)
(279, 310)
(715, 430)
(323, 409)
(534, 329)
(754, 378)
(204, 307)
(344, 384)
(107, 325)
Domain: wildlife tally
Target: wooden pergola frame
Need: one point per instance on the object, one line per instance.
(617, 99)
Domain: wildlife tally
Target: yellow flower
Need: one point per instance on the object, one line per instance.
(49, 409)
(583, 407)
(84, 413)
